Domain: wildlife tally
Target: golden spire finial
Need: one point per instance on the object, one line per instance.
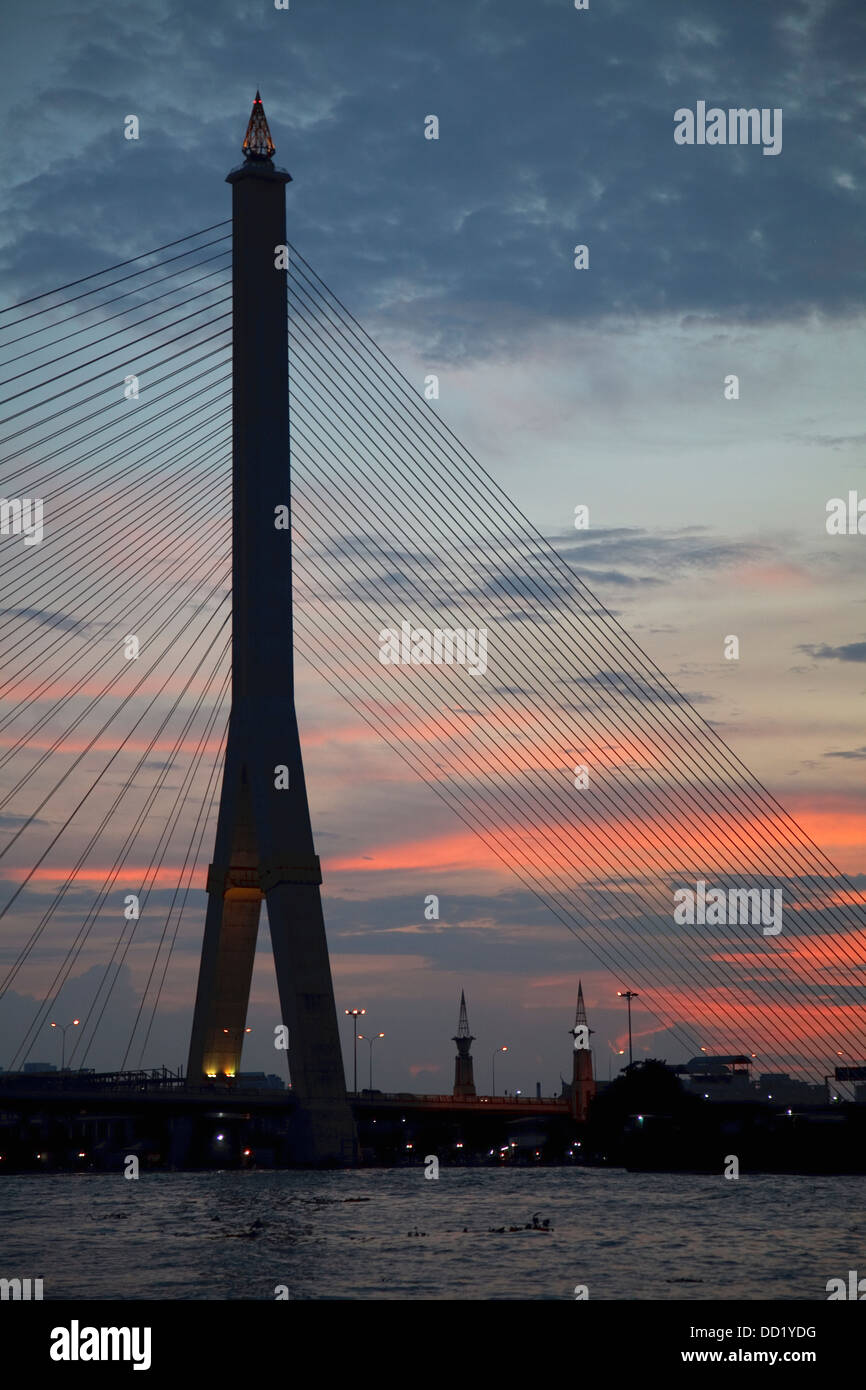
(258, 144)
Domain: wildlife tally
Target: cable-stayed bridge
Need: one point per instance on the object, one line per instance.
(423, 596)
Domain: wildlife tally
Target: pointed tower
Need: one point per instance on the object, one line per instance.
(464, 1081)
(264, 843)
(582, 1080)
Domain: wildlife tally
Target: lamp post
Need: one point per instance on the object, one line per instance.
(370, 1039)
(493, 1066)
(355, 1014)
(628, 995)
(63, 1027)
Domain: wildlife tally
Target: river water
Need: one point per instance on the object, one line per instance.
(624, 1235)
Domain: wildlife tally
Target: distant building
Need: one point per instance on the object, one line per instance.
(257, 1080)
(721, 1077)
(730, 1078)
(779, 1086)
(464, 1080)
(38, 1066)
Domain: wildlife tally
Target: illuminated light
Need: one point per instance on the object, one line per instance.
(82, 1155)
(247, 1153)
(220, 1136)
(459, 1146)
(212, 1074)
(409, 1146)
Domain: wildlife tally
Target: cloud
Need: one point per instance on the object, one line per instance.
(504, 194)
(634, 687)
(47, 618)
(851, 651)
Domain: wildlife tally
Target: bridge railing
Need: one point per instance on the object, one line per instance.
(409, 1098)
(159, 1079)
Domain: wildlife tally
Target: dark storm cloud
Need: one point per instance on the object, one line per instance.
(848, 753)
(556, 128)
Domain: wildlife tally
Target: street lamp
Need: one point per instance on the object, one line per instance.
(493, 1066)
(355, 1015)
(628, 995)
(63, 1027)
(370, 1040)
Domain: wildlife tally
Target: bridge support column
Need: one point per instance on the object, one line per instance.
(264, 843)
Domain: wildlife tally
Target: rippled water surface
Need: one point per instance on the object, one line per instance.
(239, 1235)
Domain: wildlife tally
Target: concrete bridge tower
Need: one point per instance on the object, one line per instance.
(264, 844)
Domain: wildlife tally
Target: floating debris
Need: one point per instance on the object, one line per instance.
(534, 1225)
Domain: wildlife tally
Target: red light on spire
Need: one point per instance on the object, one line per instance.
(258, 144)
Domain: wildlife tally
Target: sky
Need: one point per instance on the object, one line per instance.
(602, 387)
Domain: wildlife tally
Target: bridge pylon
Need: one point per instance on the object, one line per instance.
(264, 842)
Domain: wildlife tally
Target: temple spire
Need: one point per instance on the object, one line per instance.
(582, 1088)
(580, 1012)
(258, 144)
(464, 1081)
(463, 1021)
